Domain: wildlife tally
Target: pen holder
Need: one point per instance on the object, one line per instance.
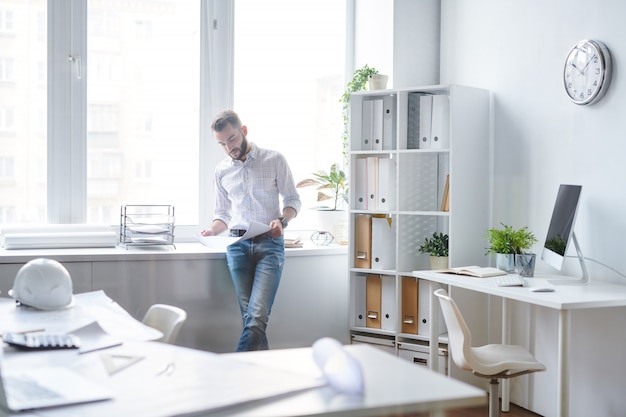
(525, 264)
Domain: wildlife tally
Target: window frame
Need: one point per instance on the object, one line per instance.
(67, 113)
(67, 68)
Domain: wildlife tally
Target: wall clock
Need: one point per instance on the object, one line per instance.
(587, 72)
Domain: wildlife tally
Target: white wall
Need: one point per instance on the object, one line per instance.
(399, 38)
(517, 50)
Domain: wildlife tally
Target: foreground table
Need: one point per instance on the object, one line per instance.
(164, 380)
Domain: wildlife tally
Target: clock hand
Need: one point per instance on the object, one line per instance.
(575, 59)
(587, 64)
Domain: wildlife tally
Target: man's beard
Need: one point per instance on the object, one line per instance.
(243, 149)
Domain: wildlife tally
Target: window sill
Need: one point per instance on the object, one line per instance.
(182, 251)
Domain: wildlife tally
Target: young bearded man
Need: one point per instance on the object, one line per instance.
(249, 184)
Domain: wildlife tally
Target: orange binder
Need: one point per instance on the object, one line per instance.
(363, 241)
(445, 200)
(409, 305)
(373, 300)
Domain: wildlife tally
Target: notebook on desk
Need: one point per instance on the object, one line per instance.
(47, 386)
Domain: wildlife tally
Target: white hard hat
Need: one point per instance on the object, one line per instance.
(44, 284)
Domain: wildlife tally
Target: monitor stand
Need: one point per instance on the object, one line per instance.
(584, 280)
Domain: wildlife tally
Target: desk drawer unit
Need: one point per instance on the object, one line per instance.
(419, 354)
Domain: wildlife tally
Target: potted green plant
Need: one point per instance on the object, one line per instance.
(330, 186)
(358, 83)
(512, 246)
(437, 247)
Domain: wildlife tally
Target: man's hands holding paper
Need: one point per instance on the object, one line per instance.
(207, 238)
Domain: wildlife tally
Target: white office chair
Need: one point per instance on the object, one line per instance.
(491, 361)
(167, 319)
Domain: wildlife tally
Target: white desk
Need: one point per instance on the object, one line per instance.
(564, 299)
(270, 383)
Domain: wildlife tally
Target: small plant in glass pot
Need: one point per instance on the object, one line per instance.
(512, 249)
(437, 248)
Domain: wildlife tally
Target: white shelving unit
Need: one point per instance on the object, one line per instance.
(392, 178)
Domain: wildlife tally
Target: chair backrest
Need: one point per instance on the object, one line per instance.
(166, 318)
(459, 336)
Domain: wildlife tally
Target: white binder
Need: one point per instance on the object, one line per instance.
(426, 112)
(360, 184)
(366, 125)
(440, 127)
(372, 182)
(383, 243)
(423, 310)
(389, 119)
(426, 109)
(359, 300)
(377, 124)
(388, 303)
(386, 184)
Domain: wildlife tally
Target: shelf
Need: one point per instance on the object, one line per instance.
(415, 183)
(372, 330)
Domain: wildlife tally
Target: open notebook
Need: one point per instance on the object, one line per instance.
(47, 387)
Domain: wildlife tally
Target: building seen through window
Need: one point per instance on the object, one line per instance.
(142, 73)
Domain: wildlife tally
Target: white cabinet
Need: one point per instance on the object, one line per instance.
(405, 146)
(310, 304)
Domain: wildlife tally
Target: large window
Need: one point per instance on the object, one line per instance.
(119, 114)
(23, 95)
(289, 77)
(143, 98)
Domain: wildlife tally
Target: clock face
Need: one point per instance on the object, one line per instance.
(587, 72)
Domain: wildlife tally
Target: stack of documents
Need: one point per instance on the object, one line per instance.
(293, 242)
(43, 236)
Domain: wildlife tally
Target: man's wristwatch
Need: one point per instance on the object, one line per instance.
(283, 221)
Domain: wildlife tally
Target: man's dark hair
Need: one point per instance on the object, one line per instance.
(225, 117)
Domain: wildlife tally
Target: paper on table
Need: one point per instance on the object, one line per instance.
(93, 337)
(90, 307)
(221, 242)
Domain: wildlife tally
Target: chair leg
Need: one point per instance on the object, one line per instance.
(494, 399)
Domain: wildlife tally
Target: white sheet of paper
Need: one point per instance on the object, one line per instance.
(90, 307)
(93, 337)
(221, 242)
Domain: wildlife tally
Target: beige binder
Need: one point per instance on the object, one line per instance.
(373, 298)
(363, 241)
(409, 305)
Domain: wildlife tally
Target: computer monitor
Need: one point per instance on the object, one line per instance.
(561, 232)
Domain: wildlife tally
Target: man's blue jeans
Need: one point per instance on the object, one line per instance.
(256, 266)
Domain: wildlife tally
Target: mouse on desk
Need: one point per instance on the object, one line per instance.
(541, 289)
